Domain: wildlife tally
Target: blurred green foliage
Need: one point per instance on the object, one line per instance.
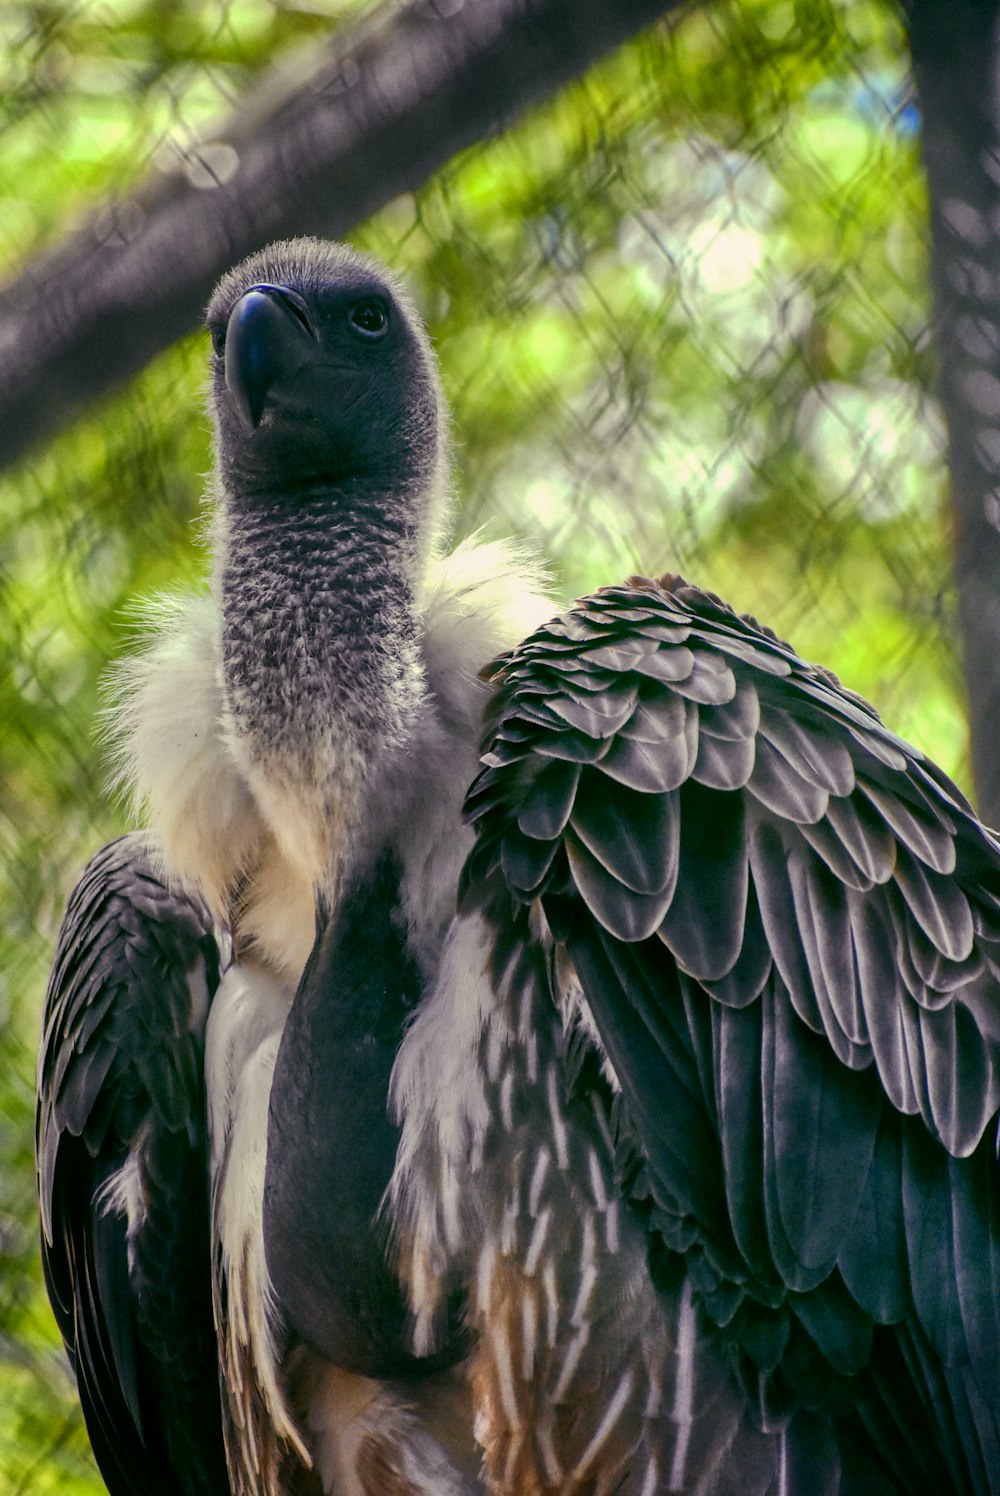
(682, 315)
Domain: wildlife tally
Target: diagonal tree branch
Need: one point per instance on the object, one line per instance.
(374, 114)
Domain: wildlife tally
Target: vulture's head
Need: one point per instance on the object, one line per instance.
(323, 379)
(331, 467)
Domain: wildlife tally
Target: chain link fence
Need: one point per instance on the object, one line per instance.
(682, 315)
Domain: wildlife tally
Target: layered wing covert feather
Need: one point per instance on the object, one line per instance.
(785, 923)
(122, 1168)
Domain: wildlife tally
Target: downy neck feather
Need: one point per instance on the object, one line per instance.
(322, 677)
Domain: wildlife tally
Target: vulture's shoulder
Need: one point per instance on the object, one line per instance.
(785, 926)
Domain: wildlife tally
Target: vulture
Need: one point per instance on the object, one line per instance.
(525, 1053)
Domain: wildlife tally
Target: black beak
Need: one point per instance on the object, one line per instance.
(270, 334)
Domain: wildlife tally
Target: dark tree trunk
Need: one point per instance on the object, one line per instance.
(956, 62)
(374, 115)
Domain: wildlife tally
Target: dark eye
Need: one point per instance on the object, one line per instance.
(218, 336)
(369, 319)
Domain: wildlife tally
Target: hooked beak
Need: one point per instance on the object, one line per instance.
(270, 334)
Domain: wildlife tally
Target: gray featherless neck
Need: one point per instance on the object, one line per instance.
(318, 627)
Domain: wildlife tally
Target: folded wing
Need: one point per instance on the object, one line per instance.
(123, 1173)
(785, 924)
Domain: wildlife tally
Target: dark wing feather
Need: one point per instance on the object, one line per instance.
(121, 1087)
(784, 923)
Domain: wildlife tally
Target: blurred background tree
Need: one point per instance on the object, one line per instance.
(683, 313)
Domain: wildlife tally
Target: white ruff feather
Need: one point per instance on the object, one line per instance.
(165, 726)
(476, 602)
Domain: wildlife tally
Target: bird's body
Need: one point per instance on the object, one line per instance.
(632, 1133)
